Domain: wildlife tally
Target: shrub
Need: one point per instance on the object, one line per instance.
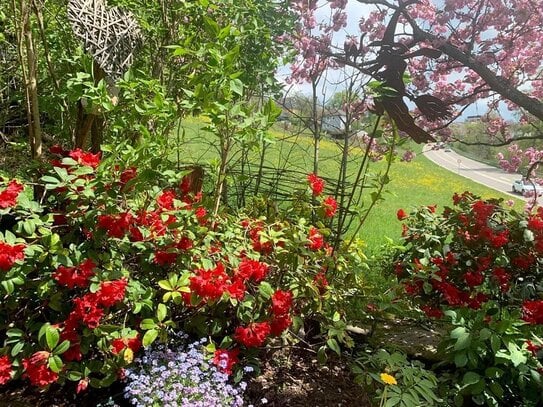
(115, 255)
(479, 265)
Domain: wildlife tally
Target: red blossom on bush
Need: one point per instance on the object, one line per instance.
(252, 269)
(320, 282)
(10, 254)
(116, 225)
(85, 157)
(5, 370)
(253, 335)
(237, 289)
(432, 312)
(225, 359)
(316, 184)
(316, 239)
(166, 200)
(119, 344)
(279, 324)
(163, 257)
(532, 311)
(8, 197)
(281, 302)
(111, 292)
(82, 385)
(201, 214)
(78, 276)
(128, 174)
(37, 370)
(401, 214)
(330, 206)
(185, 243)
(86, 309)
(210, 284)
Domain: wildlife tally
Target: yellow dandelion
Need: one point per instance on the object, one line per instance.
(388, 379)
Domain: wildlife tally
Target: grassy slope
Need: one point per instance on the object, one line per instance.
(420, 182)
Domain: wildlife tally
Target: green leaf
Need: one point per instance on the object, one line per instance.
(470, 378)
(63, 347)
(51, 337)
(461, 359)
(332, 344)
(55, 363)
(147, 324)
(265, 290)
(149, 337)
(161, 312)
(74, 375)
(463, 341)
(165, 284)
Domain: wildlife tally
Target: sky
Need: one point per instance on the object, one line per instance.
(355, 11)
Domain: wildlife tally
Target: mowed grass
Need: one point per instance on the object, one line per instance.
(420, 182)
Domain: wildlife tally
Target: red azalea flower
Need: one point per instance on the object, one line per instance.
(316, 184)
(78, 276)
(128, 174)
(502, 278)
(184, 243)
(37, 370)
(432, 312)
(166, 200)
(116, 225)
(316, 240)
(5, 370)
(253, 335)
(200, 214)
(477, 301)
(401, 214)
(8, 197)
(10, 254)
(281, 302)
(474, 278)
(85, 157)
(279, 324)
(163, 257)
(432, 208)
(330, 206)
(57, 149)
(225, 359)
(530, 347)
(210, 284)
(532, 311)
(86, 309)
(119, 344)
(111, 292)
(237, 289)
(524, 261)
(252, 269)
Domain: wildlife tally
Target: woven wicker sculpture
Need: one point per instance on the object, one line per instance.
(109, 34)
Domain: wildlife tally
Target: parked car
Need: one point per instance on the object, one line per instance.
(525, 187)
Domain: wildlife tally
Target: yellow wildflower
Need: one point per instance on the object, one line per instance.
(388, 379)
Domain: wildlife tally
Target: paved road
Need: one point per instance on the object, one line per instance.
(483, 174)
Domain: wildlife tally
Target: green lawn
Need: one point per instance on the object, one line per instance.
(419, 182)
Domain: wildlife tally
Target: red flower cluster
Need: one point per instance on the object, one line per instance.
(401, 214)
(119, 344)
(316, 184)
(330, 206)
(316, 239)
(532, 311)
(127, 175)
(253, 335)
(10, 254)
(78, 276)
(212, 284)
(8, 197)
(166, 200)
(225, 359)
(85, 158)
(5, 370)
(116, 225)
(37, 370)
(281, 304)
(252, 269)
(89, 308)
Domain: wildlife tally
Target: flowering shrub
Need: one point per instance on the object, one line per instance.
(180, 377)
(479, 264)
(115, 256)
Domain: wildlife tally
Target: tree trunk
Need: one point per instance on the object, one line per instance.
(30, 75)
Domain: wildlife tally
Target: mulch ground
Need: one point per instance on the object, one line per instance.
(289, 377)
